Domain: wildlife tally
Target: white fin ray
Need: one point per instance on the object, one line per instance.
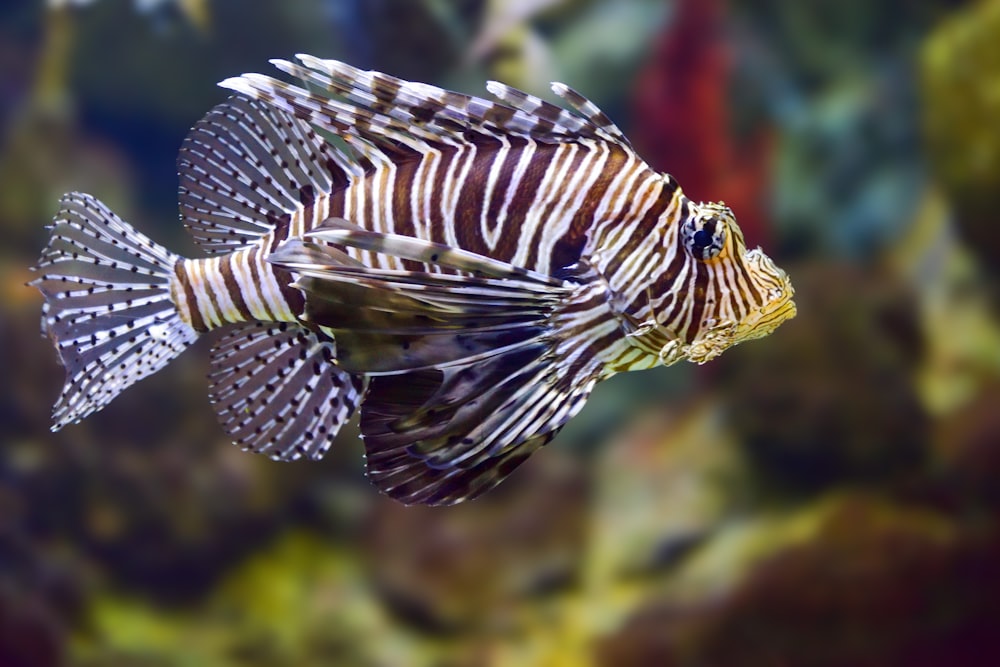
(368, 133)
(245, 168)
(422, 105)
(384, 112)
(379, 119)
(591, 112)
(536, 106)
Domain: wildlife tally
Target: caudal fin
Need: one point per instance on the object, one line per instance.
(108, 306)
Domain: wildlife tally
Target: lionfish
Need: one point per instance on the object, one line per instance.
(463, 270)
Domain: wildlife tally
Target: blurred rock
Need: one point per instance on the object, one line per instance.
(665, 484)
(29, 636)
(468, 566)
(968, 444)
(150, 488)
(831, 397)
(40, 599)
(829, 576)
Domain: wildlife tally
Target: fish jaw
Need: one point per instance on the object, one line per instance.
(725, 334)
(775, 295)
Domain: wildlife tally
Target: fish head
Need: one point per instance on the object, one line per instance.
(727, 294)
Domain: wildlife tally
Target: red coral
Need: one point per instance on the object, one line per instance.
(683, 121)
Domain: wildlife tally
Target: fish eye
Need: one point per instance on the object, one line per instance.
(704, 237)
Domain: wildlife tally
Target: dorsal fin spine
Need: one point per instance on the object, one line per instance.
(385, 112)
(591, 112)
(529, 104)
(326, 75)
(346, 120)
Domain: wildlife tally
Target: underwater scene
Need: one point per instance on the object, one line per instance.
(820, 497)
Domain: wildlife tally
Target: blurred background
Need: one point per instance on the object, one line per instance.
(826, 496)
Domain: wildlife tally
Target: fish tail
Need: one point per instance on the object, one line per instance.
(109, 305)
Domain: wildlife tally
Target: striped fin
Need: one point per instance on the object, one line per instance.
(380, 316)
(471, 374)
(441, 436)
(246, 167)
(581, 126)
(405, 476)
(277, 390)
(386, 112)
(389, 321)
(589, 110)
(425, 105)
(108, 307)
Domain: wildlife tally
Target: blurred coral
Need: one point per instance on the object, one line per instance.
(684, 123)
(961, 74)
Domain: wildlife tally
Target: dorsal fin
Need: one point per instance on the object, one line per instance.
(386, 113)
(245, 167)
(590, 111)
(581, 125)
(423, 105)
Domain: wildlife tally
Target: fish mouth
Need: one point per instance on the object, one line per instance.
(769, 316)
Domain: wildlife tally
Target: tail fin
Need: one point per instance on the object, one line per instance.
(108, 306)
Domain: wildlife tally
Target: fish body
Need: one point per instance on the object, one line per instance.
(463, 270)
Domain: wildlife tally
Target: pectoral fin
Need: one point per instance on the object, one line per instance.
(472, 373)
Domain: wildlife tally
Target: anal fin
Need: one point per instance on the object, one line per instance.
(277, 390)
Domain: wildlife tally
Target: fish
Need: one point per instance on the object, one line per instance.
(460, 271)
